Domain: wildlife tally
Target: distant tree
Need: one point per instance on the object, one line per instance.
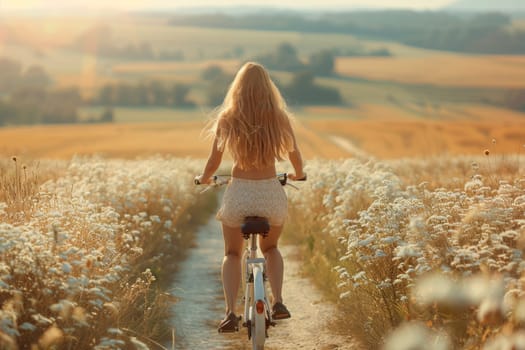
(180, 95)
(490, 19)
(107, 95)
(10, 74)
(283, 58)
(212, 72)
(128, 95)
(322, 62)
(287, 59)
(24, 105)
(158, 93)
(441, 30)
(31, 104)
(143, 94)
(107, 116)
(29, 95)
(303, 91)
(217, 84)
(36, 76)
(5, 112)
(61, 106)
(217, 89)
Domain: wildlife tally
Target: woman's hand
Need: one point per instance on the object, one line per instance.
(294, 177)
(199, 180)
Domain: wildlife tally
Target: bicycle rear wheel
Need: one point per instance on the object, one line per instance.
(259, 309)
(258, 331)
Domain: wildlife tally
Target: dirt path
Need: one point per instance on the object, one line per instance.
(201, 304)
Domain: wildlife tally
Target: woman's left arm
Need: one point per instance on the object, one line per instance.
(213, 163)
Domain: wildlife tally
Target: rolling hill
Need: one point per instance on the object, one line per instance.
(509, 6)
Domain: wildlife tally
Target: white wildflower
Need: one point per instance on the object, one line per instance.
(408, 251)
(66, 267)
(26, 326)
(345, 295)
(515, 341)
(415, 336)
(438, 289)
(138, 344)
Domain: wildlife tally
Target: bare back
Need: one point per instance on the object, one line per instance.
(253, 173)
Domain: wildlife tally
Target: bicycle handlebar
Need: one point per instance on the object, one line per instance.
(216, 179)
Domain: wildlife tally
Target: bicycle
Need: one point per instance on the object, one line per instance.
(257, 313)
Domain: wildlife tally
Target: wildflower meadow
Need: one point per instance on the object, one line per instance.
(83, 244)
(419, 253)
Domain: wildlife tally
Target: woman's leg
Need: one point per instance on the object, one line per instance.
(231, 265)
(274, 261)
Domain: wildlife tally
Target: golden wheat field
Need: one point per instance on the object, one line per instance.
(389, 139)
(115, 140)
(439, 69)
(379, 131)
(181, 139)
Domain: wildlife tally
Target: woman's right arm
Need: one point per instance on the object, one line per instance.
(297, 161)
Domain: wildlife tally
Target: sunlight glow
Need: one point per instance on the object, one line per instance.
(124, 5)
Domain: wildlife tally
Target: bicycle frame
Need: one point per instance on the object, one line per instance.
(257, 314)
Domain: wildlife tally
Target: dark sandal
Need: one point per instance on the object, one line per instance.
(229, 324)
(280, 312)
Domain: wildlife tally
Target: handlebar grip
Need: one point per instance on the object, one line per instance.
(283, 178)
(197, 181)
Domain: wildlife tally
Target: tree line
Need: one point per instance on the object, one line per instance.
(301, 90)
(477, 33)
(28, 99)
(27, 96)
(152, 93)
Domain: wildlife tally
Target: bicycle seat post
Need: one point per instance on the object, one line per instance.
(252, 226)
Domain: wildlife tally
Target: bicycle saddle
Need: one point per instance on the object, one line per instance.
(255, 224)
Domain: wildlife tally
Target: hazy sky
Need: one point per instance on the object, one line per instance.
(147, 4)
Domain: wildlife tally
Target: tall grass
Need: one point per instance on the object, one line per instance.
(429, 248)
(82, 269)
(20, 180)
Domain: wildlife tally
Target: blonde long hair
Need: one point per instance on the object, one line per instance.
(253, 122)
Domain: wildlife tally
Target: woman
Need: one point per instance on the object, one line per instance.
(254, 125)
